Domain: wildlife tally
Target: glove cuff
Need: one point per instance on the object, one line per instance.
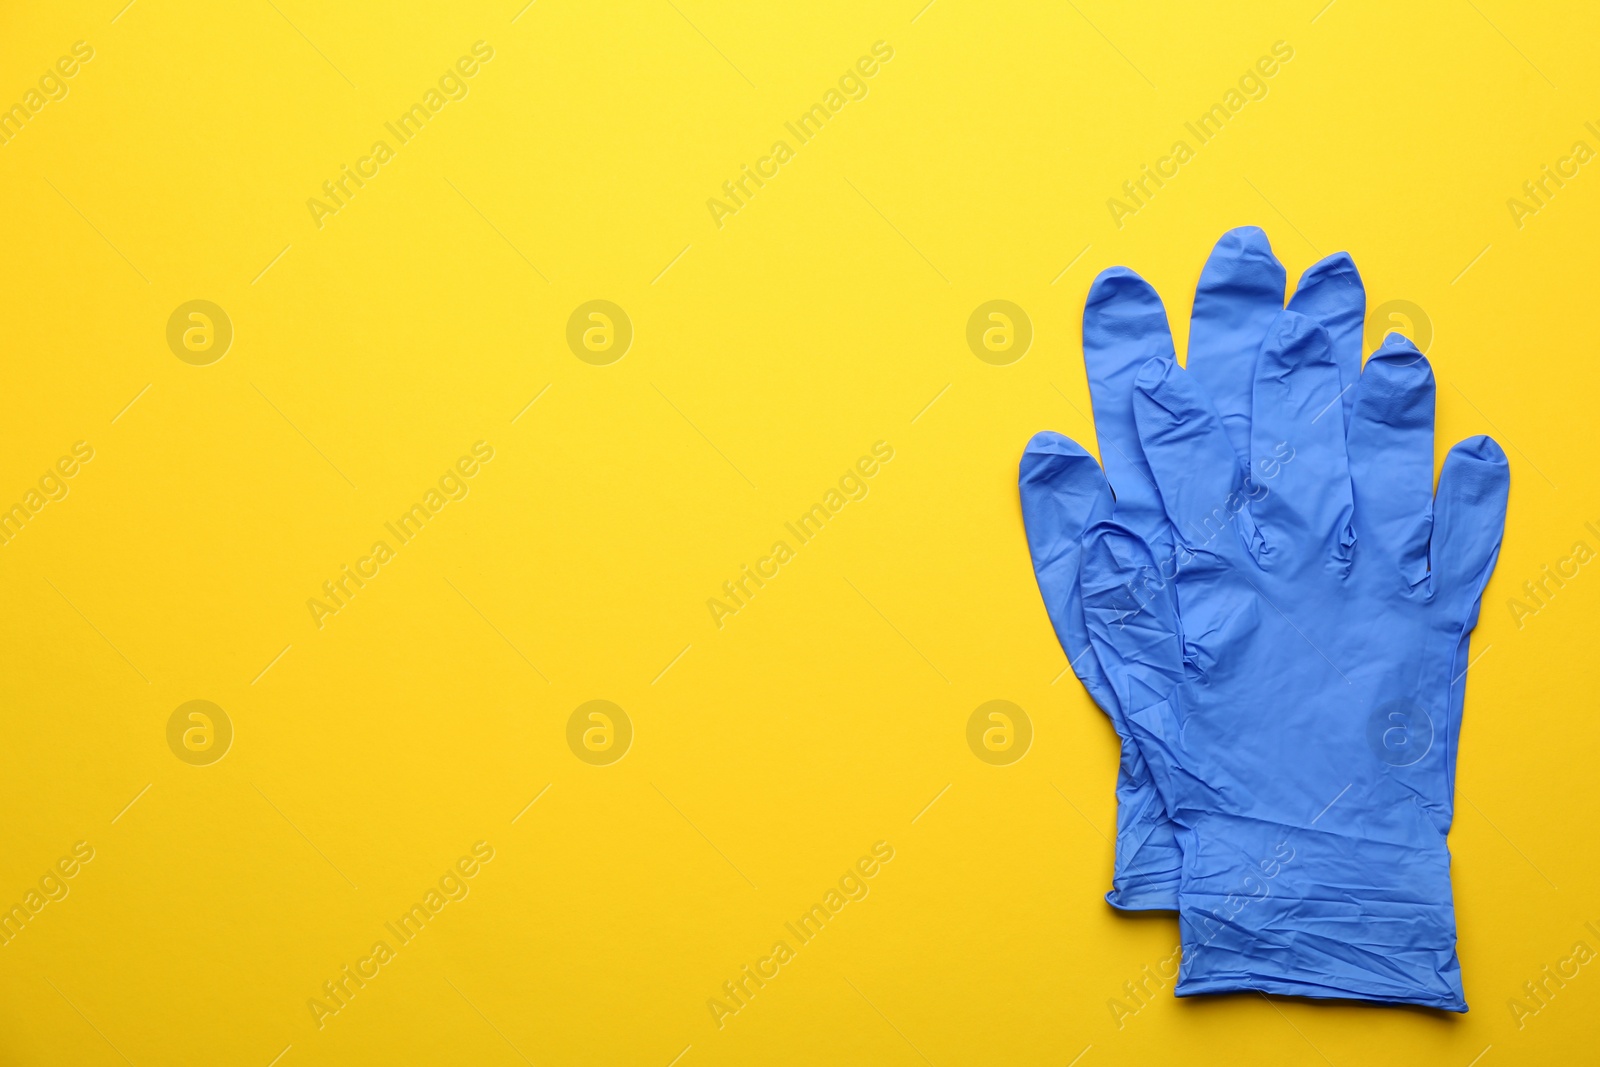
(1318, 912)
(1148, 860)
(1144, 895)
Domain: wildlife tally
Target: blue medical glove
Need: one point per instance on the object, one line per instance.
(1296, 690)
(1064, 492)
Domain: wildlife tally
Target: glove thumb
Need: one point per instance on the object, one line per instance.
(1131, 613)
(1063, 493)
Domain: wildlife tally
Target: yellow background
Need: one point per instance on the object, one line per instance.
(768, 354)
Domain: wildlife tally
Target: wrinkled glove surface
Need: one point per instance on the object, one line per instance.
(1290, 665)
(1064, 491)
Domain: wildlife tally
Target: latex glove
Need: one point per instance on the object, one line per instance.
(1064, 491)
(1296, 692)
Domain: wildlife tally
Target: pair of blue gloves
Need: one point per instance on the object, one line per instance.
(1264, 592)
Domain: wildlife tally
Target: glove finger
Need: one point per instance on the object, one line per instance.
(1331, 292)
(1196, 468)
(1063, 493)
(1124, 326)
(1239, 295)
(1300, 473)
(1131, 613)
(1132, 616)
(1469, 517)
(1391, 458)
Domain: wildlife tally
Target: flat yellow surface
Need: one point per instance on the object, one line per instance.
(421, 334)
